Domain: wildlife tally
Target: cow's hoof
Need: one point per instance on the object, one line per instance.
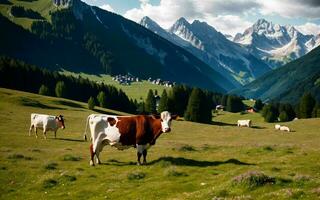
(91, 163)
(138, 163)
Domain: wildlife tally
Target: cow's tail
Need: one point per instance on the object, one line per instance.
(86, 128)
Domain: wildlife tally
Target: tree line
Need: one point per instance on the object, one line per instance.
(307, 107)
(19, 11)
(194, 104)
(18, 75)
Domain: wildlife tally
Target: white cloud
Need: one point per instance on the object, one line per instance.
(107, 7)
(168, 11)
(291, 8)
(309, 28)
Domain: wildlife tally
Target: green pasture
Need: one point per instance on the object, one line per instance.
(137, 90)
(194, 161)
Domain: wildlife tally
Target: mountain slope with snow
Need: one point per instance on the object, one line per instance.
(274, 43)
(234, 62)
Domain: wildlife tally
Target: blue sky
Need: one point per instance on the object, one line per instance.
(227, 16)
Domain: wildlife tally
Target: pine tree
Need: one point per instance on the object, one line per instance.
(283, 116)
(150, 104)
(258, 105)
(163, 104)
(61, 89)
(234, 104)
(44, 90)
(198, 107)
(178, 99)
(91, 103)
(306, 105)
(316, 111)
(269, 112)
(102, 99)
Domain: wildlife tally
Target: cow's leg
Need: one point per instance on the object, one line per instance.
(55, 134)
(140, 151)
(144, 157)
(98, 146)
(44, 134)
(91, 155)
(30, 129)
(36, 130)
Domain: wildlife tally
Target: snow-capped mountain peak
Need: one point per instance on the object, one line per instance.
(275, 43)
(213, 48)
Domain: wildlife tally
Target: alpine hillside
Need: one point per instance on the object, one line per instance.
(276, 44)
(78, 37)
(289, 82)
(234, 62)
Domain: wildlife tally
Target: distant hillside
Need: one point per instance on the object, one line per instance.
(288, 83)
(82, 38)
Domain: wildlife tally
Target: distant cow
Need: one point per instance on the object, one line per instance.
(123, 132)
(246, 123)
(46, 123)
(277, 127)
(284, 128)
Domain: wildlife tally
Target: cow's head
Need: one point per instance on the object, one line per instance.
(60, 121)
(166, 118)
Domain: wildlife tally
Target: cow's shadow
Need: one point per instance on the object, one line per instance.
(68, 139)
(222, 124)
(180, 161)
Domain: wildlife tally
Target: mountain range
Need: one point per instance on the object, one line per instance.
(289, 82)
(276, 44)
(80, 37)
(232, 60)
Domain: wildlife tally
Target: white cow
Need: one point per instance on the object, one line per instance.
(46, 123)
(284, 128)
(277, 127)
(246, 122)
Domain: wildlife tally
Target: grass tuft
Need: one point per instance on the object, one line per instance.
(268, 148)
(172, 172)
(49, 183)
(71, 158)
(68, 178)
(253, 179)
(19, 157)
(187, 147)
(136, 175)
(51, 166)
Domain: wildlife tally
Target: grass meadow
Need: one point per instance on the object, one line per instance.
(194, 161)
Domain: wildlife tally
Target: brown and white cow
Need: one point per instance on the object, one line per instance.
(46, 123)
(122, 132)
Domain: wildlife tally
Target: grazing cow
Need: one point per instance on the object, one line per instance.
(277, 126)
(122, 132)
(46, 123)
(246, 123)
(284, 128)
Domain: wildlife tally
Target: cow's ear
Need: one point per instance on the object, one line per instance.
(57, 117)
(174, 117)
